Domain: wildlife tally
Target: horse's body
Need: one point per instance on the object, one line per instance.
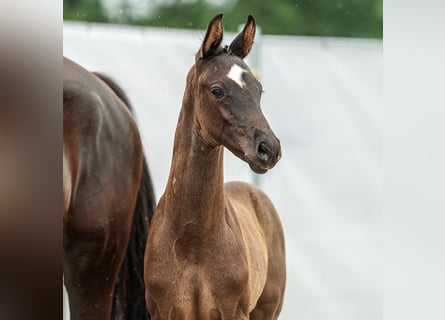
(215, 251)
(108, 199)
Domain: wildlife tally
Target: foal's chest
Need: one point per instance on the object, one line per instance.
(206, 283)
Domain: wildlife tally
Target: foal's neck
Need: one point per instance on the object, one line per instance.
(194, 194)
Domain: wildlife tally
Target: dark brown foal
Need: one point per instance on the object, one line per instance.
(216, 251)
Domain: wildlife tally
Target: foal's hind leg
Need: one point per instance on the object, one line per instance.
(268, 306)
(271, 300)
(91, 265)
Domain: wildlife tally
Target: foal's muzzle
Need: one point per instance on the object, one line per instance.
(267, 153)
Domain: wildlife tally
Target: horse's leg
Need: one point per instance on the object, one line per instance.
(271, 300)
(91, 265)
(268, 306)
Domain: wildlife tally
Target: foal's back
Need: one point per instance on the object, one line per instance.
(263, 234)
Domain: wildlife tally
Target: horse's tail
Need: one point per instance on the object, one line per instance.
(129, 292)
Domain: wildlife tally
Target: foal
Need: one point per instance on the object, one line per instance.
(215, 251)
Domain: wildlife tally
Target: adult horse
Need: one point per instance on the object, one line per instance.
(215, 251)
(108, 199)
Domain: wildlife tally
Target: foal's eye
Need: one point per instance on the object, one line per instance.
(217, 92)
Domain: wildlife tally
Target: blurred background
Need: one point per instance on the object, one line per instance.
(320, 62)
(344, 18)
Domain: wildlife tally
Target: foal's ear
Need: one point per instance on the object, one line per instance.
(242, 44)
(213, 37)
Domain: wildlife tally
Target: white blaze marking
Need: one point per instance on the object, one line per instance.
(235, 74)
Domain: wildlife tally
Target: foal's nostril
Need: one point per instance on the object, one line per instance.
(263, 151)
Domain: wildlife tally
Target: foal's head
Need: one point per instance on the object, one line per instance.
(227, 96)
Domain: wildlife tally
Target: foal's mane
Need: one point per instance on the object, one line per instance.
(223, 50)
